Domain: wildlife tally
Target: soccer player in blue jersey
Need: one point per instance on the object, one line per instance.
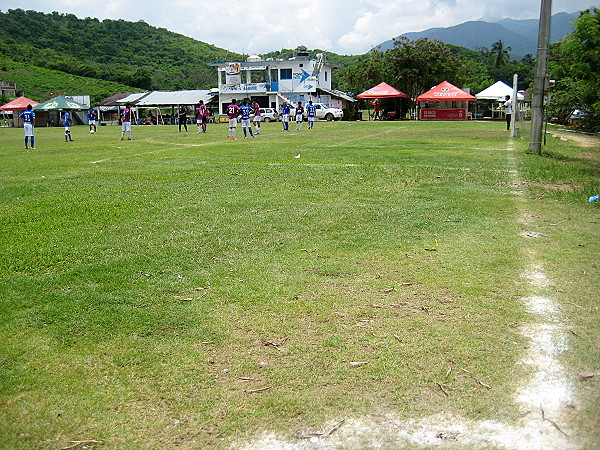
(245, 111)
(311, 111)
(285, 115)
(91, 115)
(66, 117)
(28, 124)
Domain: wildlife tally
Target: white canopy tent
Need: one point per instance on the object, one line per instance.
(497, 91)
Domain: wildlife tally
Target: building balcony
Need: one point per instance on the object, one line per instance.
(252, 88)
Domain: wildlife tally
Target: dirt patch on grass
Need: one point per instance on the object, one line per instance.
(583, 140)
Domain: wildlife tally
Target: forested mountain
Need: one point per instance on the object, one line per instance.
(132, 53)
(519, 35)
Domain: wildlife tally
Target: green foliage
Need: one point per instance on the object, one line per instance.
(415, 66)
(133, 53)
(499, 65)
(41, 84)
(500, 54)
(575, 64)
(411, 66)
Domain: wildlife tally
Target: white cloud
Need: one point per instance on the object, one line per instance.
(341, 26)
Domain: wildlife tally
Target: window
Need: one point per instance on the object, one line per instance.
(285, 74)
(325, 75)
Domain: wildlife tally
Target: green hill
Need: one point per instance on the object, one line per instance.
(40, 84)
(131, 53)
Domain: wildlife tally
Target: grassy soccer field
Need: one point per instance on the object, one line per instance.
(181, 290)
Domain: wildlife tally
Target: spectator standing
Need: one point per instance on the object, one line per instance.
(182, 118)
(28, 124)
(507, 110)
(377, 110)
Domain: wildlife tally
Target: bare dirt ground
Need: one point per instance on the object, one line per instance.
(583, 140)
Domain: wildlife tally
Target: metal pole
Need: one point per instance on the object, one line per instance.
(515, 107)
(537, 104)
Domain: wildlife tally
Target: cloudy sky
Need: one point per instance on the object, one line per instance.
(341, 26)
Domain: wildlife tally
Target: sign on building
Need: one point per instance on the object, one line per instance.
(233, 74)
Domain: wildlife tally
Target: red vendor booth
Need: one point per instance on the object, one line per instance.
(382, 90)
(445, 102)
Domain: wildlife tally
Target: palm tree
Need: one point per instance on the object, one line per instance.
(500, 54)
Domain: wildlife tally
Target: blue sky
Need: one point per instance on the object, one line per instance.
(340, 26)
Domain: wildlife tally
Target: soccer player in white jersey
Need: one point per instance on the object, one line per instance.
(201, 117)
(257, 116)
(233, 111)
(299, 116)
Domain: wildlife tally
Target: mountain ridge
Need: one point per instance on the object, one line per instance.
(520, 35)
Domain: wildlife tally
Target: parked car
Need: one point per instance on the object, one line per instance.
(268, 114)
(324, 111)
(577, 114)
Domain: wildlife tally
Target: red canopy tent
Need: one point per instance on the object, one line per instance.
(18, 104)
(382, 90)
(445, 92)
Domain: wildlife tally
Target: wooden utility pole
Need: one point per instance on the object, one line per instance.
(539, 83)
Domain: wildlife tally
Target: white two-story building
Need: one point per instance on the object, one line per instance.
(272, 81)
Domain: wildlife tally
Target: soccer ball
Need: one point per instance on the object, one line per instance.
(92, 131)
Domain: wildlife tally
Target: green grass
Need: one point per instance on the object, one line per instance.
(141, 280)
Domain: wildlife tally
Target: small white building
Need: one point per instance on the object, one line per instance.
(271, 81)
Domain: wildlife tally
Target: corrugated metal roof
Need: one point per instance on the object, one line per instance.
(132, 98)
(157, 98)
(112, 100)
(339, 94)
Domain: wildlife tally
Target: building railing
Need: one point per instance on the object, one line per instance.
(251, 88)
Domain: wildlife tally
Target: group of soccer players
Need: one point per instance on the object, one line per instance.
(202, 115)
(28, 117)
(244, 112)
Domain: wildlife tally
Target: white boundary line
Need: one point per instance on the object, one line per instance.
(542, 400)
